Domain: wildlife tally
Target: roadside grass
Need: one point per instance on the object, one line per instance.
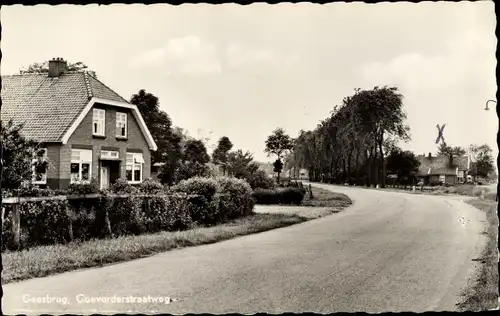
(46, 260)
(483, 295)
(463, 189)
(323, 203)
(325, 198)
(466, 189)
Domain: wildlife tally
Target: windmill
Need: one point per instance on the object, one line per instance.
(440, 134)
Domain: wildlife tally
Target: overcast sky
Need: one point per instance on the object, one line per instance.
(242, 71)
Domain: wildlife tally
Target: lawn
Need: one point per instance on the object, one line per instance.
(46, 260)
(483, 295)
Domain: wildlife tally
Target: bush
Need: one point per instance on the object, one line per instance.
(260, 180)
(280, 196)
(204, 203)
(125, 213)
(84, 188)
(150, 186)
(34, 224)
(236, 198)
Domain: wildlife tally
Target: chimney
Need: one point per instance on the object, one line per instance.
(57, 66)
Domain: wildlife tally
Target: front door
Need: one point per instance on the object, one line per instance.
(104, 176)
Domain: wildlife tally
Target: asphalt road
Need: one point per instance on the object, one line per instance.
(388, 252)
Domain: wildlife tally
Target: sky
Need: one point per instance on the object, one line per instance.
(242, 71)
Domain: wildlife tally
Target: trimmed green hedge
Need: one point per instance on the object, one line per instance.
(280, 196)
(193, 202)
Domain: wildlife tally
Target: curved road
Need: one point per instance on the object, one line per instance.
(389, 251)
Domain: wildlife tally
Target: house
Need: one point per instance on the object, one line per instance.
(86, 129)
(437, 169)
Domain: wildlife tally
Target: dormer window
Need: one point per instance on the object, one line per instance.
(98, 126)
(121, 124)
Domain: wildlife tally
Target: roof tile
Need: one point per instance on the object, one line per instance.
(48, 106)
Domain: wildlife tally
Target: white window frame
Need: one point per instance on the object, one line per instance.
(137, 164)
(121, 121)
(99, 118)
(80, 157)
(44, 175)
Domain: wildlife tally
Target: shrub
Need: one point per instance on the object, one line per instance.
(39, 226)
(260, 180)
(236, 198)
(125, 213)
(265, 196)
(279, 196)
(202, 198)
(91, 187)
(150, 186)
(29, 190)
(292, 196)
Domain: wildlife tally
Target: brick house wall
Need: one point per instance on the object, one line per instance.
(54, 158)
(82, 138)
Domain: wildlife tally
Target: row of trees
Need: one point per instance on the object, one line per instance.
(357, 143)
(353, 142)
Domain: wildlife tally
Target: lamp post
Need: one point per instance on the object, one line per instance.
(487, 108)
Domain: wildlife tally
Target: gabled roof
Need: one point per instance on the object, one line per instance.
(440, 165)
(50, 107)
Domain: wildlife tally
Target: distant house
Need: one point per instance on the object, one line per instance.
(87, 130)
(436, 169)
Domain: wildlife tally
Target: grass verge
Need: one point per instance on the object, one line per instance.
(326, 198)
(47, 260)
(483, 295)
(323, 203)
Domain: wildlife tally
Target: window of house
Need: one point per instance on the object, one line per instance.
(121, 124)
(134, 167)
(39, 171)
(81, 165)
(98, 126)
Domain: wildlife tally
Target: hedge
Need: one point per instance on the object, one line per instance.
(280, 196)
(193, 202)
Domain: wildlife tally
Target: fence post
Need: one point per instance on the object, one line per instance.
(70, 222)
(107, 222)
(16, 223)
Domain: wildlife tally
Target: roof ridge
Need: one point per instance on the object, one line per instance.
(90, 94)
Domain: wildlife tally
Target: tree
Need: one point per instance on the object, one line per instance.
(167, 139)
(278, 143)
(445, 150)
(192, 163)
(195, 151)
(278, 166)
(19, 156)
(402, 163)
(220, 154)
(240, 164)
(41, 68)
(482, 160)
